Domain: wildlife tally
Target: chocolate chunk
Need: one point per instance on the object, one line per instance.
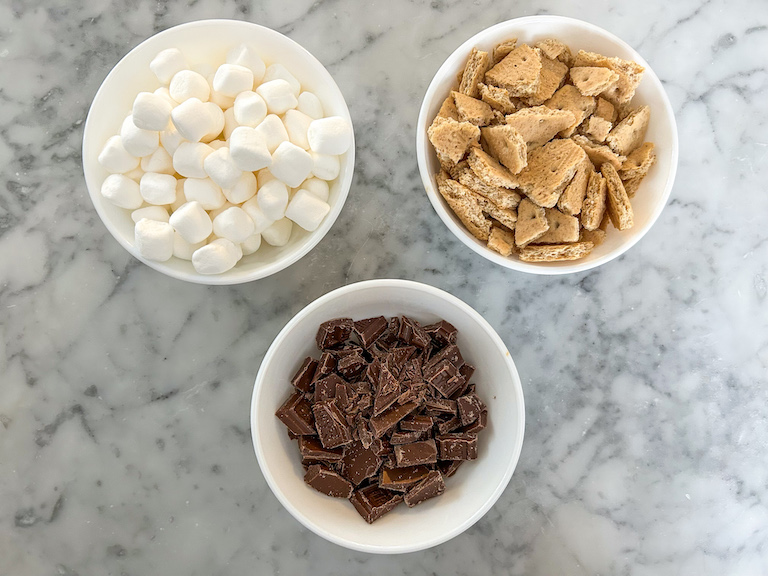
(325, 388)
(412, 369)
(411, 332)
(370, 329)
(449, 467)
(444, 377)
(445, 426)
(417, 423)
(470, 408)
(333, 332)
(296, 414)
(364, 433)
(372, 372)
(373, 502)
(405, 437)
(457, 446)
(312, 449)
(450, 353)
(325, 365)
(351, 365)
(416, 453)
(360, 462)
(433, 485)
(328, 482)
(478, 424)
(331, 424)
(387, 392)
(302, 380)
(397, 358)
(343, 396)
(384, 422)
(441, 405)
(442, 332)
(467, 371)
(400, 479)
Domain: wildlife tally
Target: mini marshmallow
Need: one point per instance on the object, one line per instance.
(194, 119)
(181, 199)
(218, 144)
(192, 222)
(251, 244)
(317, 187)
(278, 71)
(204, 191)
(170, 138)
(183, 249)
(135, 174)
(157, 213)
(217, 122)
(221, 169)
(325, 166)
(217, 257)
(159, 161)
(151, 111)
(166, 95)
(296, 125)
(332, 135)
(222, 101)
(272, 199)
(122, 191)
(248, 149)
(244, 56)
(231, 79)
(278, 96)
(273, 130)
(189, 158)
(306, 210)
(260, 220)
(290, 164)
(230, 122)
(158, 189)
(244, 189)
(279, 233)
(310, 105)
(187, 84)
(213, 213)
(250, 109)
(138, 142)
(115, 158)
(167, 63)
(264, 176)
(234, 225)
(153, 239)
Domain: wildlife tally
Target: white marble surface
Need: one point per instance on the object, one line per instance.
(124, 440)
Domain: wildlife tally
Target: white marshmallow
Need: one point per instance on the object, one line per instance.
(272, 199)
(317, 187)
(217, 122)
(279, 233)
(183, 249)
(325, 166)
(251, 244)
(310, 105)
(181, 199)
(167, 63)
(243, 55)
(187, 84)
(263, 176)
(158, 189)
(159, 161)
(189, 158)
(278, 71)
(158, 213)
(244, 189)
(204, 191)
(194, 119)
(122, 191)
(153, 239)
(296, 124)
(273, 130)
(216, 257)
(166, 95)
(136, 173)
(278, 96)
(192, 222)
(138, 142)
(332, 135)
(151, 111)
(218, 144)
(213, 213)
(248, 149)
(170, 138)
(250, 109)
(231, 79)
(291, 164)
(260, 220)
(306, 210)
(223, 102)
(115, 158)
(221, 169)
(233, 224)
(230, 122)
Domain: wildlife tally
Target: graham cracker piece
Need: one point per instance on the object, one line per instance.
(598, 153)
(605, 110)
(518, 72)
(630, 132)
(630, 73)
(562, 228)
(549, 170)
(489, 170)
(556, 252)
(556, 50)
(538, 125)
(503, 198)
(476, 67)
(452, 138)
(507, 146)
(638, 162)
(497, 98)
(593, 209)
(448, 109)
(619, 207)
(598, 128)
(632, 184)
(472, 110)
(497, 120)
(569, 98)
(593, 80)
(501, 50)
(531, 223)
(446, 163)
(597, 236)
(465, 206)
(501, 240)
(506, 217)
(572, 198)
(550, 79)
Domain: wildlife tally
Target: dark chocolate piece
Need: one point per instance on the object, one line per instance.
(360, 462)
(331, 425)
(343, 396)
(411, 332)
(397, 358)
(449, 467)
(325, 365)
(470, 408)
(296, 414)
(373, 502)
(477, 425)
(449, 425)
(400, 479)
(457, 446)
(444, 377)
(312, 449)
(325, 388)
(302, 380)
(433, 485)
(351, 365)
(328, 482)
(450, 353)
(372, 372)
(384, 422)
(416, 453)
(382, 447)
(363, 433)
(333, 332)
(405, 437)
(412, 369)
(387, 392)
(417, 423)
(442, 332)
(370, 329)
(441, 405)
(467, 371)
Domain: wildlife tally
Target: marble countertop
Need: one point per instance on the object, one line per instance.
(124, 432)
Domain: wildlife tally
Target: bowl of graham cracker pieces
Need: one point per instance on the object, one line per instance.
(547, 145)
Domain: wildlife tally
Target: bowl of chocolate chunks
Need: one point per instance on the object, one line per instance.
(387, 416)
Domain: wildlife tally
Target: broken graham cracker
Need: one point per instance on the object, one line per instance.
(489, 170)
(630, 73)
(502, 197)
(562, 228)
(638, 162)
(597, 128)
(550, 79)
(497, 98)
(569, 98)
(599, 154)
(502, 50)
(464, 205)
(531, 223)
(539, 124)
(448, 108)
(556, 252)
(632, 184)
(472, 110)
(507, 145)
(518, 72)
(452, 138)
(474, 71)
(630, 132)
(549, 170)
(593, 209)
(556, 50)
(507, 217)
(501, 240)
(605, 110)
(592, 80)
(597, 237)
(572, 198)
(618, 205)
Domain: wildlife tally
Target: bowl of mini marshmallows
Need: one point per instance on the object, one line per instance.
(218, 152)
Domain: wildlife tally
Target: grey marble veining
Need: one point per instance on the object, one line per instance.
(124, 433)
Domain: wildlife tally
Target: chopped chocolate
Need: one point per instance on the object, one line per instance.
(343, 396)
(372, 372)
(373, 502)
(467, 371)
(328, 482)
(442, 405)
(312, 449)
(325, 388)
(387, 392)
(331, 424)
(384, 422)
(363, 433)
(424, 452)
(449, 467)
(444, 377)
(411, 332)
(360, 462)
(400, 479)
(442, 332)
(333, 333)
(325, 365)
(417, 423)
(370, 329)
(470, 408)
(450, 353)
(296, 414)
(433, 485)
(405, 437)
(397, 358)
(382, 447)
(302, 380)
(478, 424)
(457, 446)
(412, 369)
(351, 365)
(445, 426)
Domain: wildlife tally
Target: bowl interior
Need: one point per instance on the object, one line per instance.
(655, 188)
(207, 42)
(470, 492)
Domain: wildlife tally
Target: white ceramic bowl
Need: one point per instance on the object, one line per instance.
(578, 35)
(209, 41)
(470, 492)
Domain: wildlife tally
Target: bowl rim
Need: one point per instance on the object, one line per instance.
(517, 391)
(315, 236)
(423, 150)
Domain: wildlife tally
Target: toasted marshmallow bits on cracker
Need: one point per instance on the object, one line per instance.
(218, 159)
(541, 149)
